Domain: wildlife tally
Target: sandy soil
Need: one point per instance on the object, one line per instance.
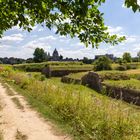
(26, 120)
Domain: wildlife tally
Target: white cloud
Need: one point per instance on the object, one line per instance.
(131, 39)
(115, 30)
(40, 29)
(13, 37)
(35, 44)
(4, 46)
(48, 38)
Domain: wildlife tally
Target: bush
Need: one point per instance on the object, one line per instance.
(102, 63)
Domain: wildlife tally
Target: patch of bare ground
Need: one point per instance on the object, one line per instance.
(23, 125)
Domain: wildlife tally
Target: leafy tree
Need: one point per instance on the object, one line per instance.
(81, 18)
(102, 63)
(61, 57)
(127, 57)
(134, 4)
(77, 18)
(119, 60)
(39, 55)
(86, 60)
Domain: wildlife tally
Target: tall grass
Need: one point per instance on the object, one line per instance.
(129, 84)
(91, 116)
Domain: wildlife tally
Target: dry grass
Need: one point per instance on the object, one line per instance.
(137, 71)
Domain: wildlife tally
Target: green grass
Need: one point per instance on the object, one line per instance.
(37, 67)
(80, 111)
(135, 64)
(101, 107)
(129, 84)
(72, 67)
(78, 75)
(112, 75)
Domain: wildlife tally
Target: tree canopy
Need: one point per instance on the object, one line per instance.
(77, 18)
(39, 55)
(127, 57)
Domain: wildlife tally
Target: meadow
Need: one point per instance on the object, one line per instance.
(78, 110)
(37, 67)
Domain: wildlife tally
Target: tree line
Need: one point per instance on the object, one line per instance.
(40, 55)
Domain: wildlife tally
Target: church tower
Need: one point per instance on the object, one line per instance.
(55, 55)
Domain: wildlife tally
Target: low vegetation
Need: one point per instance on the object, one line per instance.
(37, 67)
(128, 84)
(87, 114)
(105, 75)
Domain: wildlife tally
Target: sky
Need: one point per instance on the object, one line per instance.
(119, 19)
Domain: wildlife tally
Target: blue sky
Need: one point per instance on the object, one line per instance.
(120, 20)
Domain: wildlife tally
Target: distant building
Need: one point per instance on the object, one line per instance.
(111, 56)
(55, 55)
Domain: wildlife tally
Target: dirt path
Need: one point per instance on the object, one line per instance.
(24, 123)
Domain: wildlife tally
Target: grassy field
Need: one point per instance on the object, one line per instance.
(128, 84)
(80, 111)
(132, 64)
(110, 75)
(37, 67)
(72, 67)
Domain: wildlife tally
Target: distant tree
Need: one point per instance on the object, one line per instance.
(102, 63)
(138, 54)
(61, 57)
(29, 60)
(87, 61)
(127, 57)
(119, 60)
(39, 55)
(135, 59)
(1, 62)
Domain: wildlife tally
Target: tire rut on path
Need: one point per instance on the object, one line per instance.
(26, 121)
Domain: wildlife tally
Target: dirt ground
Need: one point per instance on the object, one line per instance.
(23, 123)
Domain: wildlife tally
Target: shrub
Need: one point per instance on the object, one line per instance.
(102, 63)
